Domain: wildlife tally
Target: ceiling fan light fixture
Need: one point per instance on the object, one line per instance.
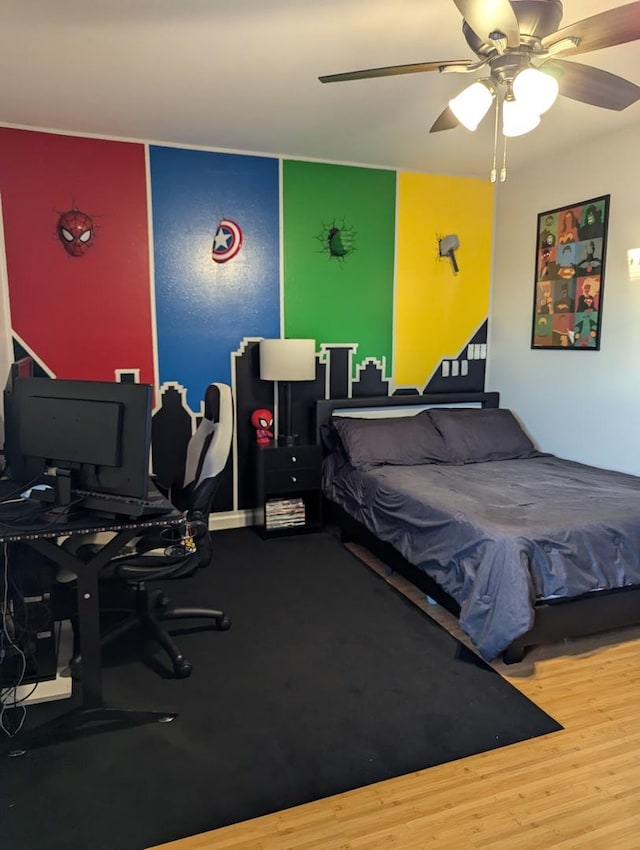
(518, 119)
(472, 104)
(535, 88)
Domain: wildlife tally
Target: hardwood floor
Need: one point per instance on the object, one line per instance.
(577, 789)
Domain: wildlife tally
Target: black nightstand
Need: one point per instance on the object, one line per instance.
(289, 489)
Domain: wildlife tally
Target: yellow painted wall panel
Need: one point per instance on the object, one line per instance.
(436, 311)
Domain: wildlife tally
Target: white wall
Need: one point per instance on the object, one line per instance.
(579, 404)
(6, 344)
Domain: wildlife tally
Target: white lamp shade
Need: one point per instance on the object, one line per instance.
(518, 119)
(535, 88)
(288, 359)
(471, 105)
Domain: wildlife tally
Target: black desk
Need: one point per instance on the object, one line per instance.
(44, 538)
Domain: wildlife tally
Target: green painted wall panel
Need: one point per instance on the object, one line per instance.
(343, 292)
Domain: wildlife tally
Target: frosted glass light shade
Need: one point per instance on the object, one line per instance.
(535, 88)
(471, 105)
(518, 119)
(288, 359)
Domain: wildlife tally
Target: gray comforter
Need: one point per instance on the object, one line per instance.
(498, 536)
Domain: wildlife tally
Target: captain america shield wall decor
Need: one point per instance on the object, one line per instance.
(226, 242)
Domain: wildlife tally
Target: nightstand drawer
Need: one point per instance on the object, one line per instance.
(292, 479)
(291, 457)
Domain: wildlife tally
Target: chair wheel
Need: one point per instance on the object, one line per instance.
(182, 669)
(160, 602)
(223, 624)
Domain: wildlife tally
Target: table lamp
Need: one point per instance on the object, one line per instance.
(284, 361)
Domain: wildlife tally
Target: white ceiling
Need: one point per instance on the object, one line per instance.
(242, 75)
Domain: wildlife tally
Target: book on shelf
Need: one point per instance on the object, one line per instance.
(285, 523)
(274, 503)
(285, 513)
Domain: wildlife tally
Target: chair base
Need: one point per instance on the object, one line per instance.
(150, 611)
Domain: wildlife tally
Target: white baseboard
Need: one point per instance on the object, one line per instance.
(232, 519)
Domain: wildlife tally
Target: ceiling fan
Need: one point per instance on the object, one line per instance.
(511, 37)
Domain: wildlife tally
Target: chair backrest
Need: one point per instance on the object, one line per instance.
(208, 450)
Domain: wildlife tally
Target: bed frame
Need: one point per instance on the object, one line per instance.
(555, 620)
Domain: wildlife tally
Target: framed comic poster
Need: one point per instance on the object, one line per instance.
(569, 277)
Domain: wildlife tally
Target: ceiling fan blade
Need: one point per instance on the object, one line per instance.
(445, 121)
(615, 26)
(592, 85)
(393, 70)
(486, 17)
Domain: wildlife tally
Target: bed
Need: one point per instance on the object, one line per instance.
(523, 546)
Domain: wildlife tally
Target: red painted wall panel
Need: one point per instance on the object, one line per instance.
(82, 316)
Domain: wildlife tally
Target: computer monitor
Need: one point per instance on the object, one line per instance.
(88, 436)
(21, 368)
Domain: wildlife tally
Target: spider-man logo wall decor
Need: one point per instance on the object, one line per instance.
(75, 230)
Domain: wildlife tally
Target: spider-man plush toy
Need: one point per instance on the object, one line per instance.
(262, 421)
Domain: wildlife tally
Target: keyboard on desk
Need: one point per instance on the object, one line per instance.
(155, 505)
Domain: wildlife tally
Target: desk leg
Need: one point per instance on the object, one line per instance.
(81, 722)
(91, 716)
(88, 603)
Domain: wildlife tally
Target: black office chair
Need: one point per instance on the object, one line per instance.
(171, 553)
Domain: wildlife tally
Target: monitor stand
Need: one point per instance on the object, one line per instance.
(61, 497)
(63, 487)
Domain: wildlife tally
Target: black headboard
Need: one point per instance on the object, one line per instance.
(326, 407)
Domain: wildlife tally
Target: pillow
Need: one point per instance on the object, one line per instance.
(400, 440)
(473, 435)
(332, 444)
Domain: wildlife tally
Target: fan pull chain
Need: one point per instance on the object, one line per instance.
(495, 139)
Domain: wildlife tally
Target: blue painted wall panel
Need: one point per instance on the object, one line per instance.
(205, 308)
